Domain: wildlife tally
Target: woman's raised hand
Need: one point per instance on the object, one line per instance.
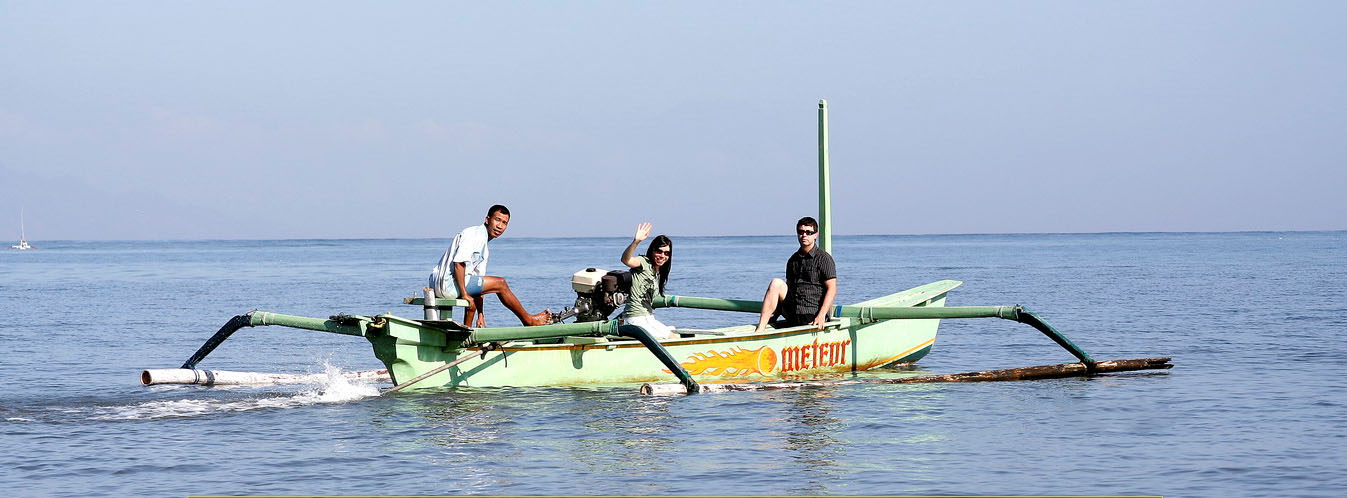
(642, 231)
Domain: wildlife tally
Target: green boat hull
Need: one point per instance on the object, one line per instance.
(845, 344)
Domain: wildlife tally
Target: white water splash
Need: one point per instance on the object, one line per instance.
(337, 388)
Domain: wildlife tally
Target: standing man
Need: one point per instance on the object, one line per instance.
(807, 293)
(462, 272)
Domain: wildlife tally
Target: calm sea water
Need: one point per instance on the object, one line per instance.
(1255, 323)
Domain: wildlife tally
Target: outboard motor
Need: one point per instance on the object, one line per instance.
(598, 294)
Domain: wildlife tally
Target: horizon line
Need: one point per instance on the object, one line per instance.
(1174, 232)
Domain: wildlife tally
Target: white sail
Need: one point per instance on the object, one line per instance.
(23, 237)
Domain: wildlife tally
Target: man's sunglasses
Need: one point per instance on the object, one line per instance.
(806, 232)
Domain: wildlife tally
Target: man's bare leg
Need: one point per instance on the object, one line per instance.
(776, 293)
(498, 286)
(475, 310)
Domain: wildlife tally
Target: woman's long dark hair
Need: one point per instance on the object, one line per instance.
(657, 242)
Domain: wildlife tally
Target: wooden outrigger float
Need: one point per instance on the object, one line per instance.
(895, 329)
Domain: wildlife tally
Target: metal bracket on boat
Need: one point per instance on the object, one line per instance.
(866, 315)
(210, 377)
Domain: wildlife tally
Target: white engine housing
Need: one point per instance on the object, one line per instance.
(587, 280)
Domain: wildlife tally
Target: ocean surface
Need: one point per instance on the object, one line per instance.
(1255, 323)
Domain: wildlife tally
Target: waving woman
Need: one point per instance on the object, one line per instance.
(648, 276)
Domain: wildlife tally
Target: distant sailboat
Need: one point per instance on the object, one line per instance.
(23, 238)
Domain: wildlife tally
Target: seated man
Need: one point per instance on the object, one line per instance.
(806, 295)
(461, 272)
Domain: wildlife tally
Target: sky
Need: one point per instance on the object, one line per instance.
(282, 120)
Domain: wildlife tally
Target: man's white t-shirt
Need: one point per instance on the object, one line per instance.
(469, 248)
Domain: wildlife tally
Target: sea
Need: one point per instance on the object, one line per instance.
(1254, 406)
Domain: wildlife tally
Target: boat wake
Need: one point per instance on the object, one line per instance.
(337, 389)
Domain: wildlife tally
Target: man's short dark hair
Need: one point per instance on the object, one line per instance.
(497, 209)
(808, 221)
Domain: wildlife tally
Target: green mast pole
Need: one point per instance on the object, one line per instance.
(825, 212)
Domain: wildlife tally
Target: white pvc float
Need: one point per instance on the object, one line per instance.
(225, 377)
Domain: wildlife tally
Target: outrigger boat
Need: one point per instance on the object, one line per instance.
(433, 352)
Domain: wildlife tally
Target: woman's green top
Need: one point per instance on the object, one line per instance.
(644, 288)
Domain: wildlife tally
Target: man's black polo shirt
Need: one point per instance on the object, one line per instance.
(805, 275)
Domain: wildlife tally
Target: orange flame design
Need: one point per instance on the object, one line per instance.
(737, 362)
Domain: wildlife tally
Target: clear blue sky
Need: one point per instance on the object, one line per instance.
(169, 120)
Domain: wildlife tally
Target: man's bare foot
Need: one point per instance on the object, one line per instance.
(543, 318)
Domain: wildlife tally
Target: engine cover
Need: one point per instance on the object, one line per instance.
(587, 280)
